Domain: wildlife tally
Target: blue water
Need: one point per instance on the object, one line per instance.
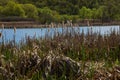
(8, 34)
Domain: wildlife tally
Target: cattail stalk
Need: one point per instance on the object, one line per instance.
(14, 34)
(14, 29)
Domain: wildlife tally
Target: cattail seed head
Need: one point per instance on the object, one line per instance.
(14, 29)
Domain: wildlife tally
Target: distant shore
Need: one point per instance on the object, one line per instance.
(31, 24)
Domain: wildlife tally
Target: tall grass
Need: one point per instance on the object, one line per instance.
(24, 62)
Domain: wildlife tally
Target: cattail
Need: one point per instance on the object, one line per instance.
(52, 25)
(2, 30)
(46, 24)
(14, 29)
(0, 34)
(63, 23)
(48, 29)
(56, 31)
(2, 26)
(71, 23)
(88, 24)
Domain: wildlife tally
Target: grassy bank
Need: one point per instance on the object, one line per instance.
(70, 55)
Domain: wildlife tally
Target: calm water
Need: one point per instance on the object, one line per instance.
(40, 32)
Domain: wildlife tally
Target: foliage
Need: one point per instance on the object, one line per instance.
(48, 15)
(30, 11)
(70, 55)
(85, 9)
(3, 2)
(85, 13)
(13, 9)
(1, 10)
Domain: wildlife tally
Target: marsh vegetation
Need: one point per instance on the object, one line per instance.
(69, 55)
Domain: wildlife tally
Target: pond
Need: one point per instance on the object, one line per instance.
(21, 33)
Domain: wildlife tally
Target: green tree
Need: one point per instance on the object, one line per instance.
(112, 10)
(3, 2)
(97, 13)
(100, 11)
(86, 9)
(66, 17)
(48, 15)
(30, 11)
(117, 17)
(85, 13)
(1, 10)
(13, 9)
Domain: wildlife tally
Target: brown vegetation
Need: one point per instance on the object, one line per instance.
(70, 55)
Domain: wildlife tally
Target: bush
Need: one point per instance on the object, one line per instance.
(30, 11)
(85, 13)
(48, 15)
(13, 9)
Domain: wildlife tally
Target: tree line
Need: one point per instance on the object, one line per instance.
(61, 10)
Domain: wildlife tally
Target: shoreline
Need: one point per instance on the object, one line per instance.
(30, 24)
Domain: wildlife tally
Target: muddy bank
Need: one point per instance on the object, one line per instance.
(32, 24)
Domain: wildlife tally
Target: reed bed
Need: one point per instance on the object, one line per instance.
(70, 55)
